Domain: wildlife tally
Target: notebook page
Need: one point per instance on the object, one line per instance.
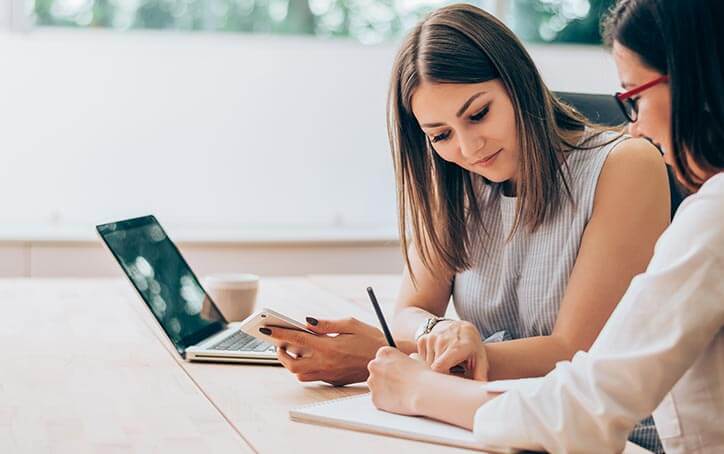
(358, 413)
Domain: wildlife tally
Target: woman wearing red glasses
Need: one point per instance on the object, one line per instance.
(662, 350)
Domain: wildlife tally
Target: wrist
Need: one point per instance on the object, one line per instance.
(422, 392)
(428, 325)
(442, 324)
(457, 406)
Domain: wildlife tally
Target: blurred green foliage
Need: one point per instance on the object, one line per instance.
(368, 21)
(563, 21)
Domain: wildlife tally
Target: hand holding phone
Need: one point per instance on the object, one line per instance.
(268, 318)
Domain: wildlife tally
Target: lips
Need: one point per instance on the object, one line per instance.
(488, 159)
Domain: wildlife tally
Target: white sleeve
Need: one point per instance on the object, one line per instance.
(667, 317)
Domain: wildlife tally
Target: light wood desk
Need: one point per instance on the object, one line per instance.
(82, 373)
(257, 399)
(86, 369)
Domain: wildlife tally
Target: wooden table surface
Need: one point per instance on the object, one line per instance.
(86, 369)
(81, 372)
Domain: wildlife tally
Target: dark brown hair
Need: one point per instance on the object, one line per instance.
(437, 199)
(685, 40)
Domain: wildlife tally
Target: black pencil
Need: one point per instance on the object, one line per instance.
(381, 317)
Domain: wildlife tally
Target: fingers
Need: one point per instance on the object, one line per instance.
(336, 326)
(480, 373)
(453, 343)
(422, 349)
(372, 370)
(429, 348)
(450, 358)
(286, 359)
(303, 368)
(386, 352)
(311, 376)
(385, 356)
(481, 366)
(291, 336)
(292, 364)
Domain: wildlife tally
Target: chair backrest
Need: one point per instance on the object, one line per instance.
(603, 109)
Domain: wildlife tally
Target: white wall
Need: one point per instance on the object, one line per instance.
(208, 130)
(202, 129)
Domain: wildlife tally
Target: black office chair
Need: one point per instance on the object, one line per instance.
(604, 110)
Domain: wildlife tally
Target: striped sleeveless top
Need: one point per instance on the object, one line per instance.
(515, 287)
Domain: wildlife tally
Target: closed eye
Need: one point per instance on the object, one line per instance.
(480, 115)
(440, 137)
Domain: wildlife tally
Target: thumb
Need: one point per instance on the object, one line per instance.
(334, 326)
(480, 371)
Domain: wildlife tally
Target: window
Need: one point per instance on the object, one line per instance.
(561, 21)
(368, 21)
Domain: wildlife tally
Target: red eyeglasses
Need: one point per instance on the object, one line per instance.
(627, 102)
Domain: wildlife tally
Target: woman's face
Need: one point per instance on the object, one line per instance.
(654, 104)
(471, 125)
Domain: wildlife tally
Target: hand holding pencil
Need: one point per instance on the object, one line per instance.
(458, 369)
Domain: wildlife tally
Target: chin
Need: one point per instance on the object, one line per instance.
(494, 177)
(499, 172)
(497, 179)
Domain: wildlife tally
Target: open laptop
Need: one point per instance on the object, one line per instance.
(187, 315)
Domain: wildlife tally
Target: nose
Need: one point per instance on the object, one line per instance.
(470, 145)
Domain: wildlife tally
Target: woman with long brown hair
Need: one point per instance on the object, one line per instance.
(662, 350)
(533, 219)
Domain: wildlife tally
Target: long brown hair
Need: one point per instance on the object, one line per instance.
(437, 199)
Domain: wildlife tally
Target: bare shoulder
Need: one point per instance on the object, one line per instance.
(635, 152)
(635, 173)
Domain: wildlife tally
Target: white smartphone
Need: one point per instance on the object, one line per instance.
(271, 319)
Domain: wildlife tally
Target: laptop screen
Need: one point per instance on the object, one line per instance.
(163, 279)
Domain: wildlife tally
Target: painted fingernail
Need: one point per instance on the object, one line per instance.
(312, 321)
(266, 331)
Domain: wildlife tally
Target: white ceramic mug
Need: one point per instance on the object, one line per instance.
(233, 293)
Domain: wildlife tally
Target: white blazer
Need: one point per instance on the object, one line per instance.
(662, 350)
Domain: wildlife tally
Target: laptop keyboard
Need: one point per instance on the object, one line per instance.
(240, 341)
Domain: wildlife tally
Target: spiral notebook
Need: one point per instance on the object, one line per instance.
(359, 414)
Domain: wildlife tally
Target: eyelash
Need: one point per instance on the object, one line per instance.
(439, 137)
(480, 115)
(475, 118)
